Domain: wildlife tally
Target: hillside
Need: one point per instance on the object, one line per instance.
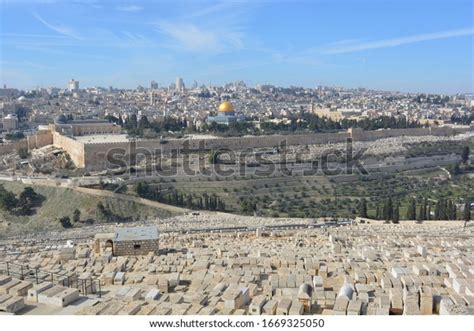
(60, 202)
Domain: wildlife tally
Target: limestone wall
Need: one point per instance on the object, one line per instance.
(13, 147)
(136, 247)
(361, 135)
(74, 148)
(97, 156)
(40, 139)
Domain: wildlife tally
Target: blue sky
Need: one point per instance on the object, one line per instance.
(417, 45)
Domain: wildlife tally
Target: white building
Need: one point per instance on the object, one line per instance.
(73, 85)
(10, 122)
(179, 84)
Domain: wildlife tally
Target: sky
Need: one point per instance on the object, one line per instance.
(396, 45)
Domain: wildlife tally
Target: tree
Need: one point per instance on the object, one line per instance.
(467, 211)
(213, 157)
(396, 213)
(143, 123)
(443, 215)
(438, 210)
(465, 155)
(425, 209)
(8, 200)
(454, 169)
(101, 210)
(132, 123)
(419, 215)
(28, 199)
(76, 215)
(363, 208)
(377, 212)
(411, 211)
(65, 222)
(389, 209)
(23, 153)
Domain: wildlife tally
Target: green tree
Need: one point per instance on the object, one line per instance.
(411, 210)
(76, 215)
(419, 215)
(8, 200)
(425, 209)
(396, 213)
(213, 157)
(465, 154)
(65, 222)
(467, 211)
(102, 212)
(28, 199)
(377, 212)
(389, 209)
(23, 153)
(143, 123)
(363, 208)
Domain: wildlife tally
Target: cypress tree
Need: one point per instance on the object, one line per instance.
(419, 215)
(437, 215)
(449, 209)
(389, 209)
(385, 211)
(425, 207)
(443, 210)
(363, 208)
(467, 211)
(411, 211)
(396, 213)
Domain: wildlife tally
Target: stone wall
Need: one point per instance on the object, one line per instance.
(96, 153)
(136, 247)
(74, 148)
(13, 147)
(361, 135)
(96, 156)
(40, 139)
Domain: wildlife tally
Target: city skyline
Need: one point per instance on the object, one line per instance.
(126, 44)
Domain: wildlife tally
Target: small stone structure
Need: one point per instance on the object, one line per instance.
(129, 241)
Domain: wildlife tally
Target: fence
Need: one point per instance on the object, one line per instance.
(37, 275)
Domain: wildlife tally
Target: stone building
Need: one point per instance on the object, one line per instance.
(10, 122)
(73, 128)
(129, 241)
(136, 241)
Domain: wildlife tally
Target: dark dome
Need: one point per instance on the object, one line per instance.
(60, 119)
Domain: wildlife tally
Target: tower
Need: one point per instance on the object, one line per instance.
(73, 85)
(179, 84)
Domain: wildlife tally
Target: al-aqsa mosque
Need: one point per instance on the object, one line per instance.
(225, 114)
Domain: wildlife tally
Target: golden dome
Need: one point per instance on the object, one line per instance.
(226, 107)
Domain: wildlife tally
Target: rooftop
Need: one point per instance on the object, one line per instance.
(102, 138)
(136, 233)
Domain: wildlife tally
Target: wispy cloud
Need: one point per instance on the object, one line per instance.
(194, 37)
(213, 9)
(129, 8)
(357, 46)
(215, 28)
(59, 28)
